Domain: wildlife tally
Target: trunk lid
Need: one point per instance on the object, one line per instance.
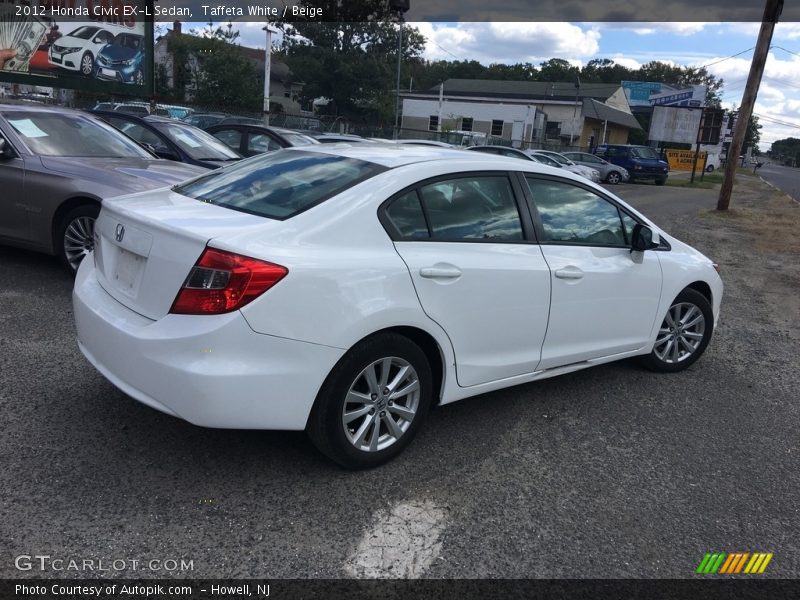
(146, 244)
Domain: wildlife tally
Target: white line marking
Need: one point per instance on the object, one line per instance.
(402, 543)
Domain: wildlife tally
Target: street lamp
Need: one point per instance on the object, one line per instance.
(267, 69)
(400, 7)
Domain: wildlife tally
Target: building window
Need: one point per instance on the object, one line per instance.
(497, 128)
(466, 123)
(433, 123)
(553, 129)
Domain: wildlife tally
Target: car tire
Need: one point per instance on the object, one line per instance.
(75, 235)
(683, 335)
(613, 178)
(87, 64)
(350, 421)
(710, 169)
(661, 181)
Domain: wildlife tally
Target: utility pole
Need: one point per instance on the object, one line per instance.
(267, 70)
(772, 11)
(400, 7)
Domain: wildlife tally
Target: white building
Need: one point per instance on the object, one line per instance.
(522, 112)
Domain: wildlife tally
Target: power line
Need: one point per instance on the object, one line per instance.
(716, 62)
(785, 50)
(778, 121)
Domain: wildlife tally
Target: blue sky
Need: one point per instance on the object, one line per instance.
(630, 44)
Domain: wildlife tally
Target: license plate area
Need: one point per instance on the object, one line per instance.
(127, 271)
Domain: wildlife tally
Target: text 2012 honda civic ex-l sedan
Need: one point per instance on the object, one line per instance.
(345, 289)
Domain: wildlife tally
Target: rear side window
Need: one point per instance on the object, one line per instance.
(480, 208)
(279, 185)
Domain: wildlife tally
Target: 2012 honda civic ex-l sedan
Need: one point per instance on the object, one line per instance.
(345, 289)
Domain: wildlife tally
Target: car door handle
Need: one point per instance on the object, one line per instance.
(440, 272)
(569, 273)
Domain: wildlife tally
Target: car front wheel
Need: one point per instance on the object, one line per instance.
(613, 178)
(373, 402)
(75, 235)
(684, 333)
(661, 181)
(87, 64)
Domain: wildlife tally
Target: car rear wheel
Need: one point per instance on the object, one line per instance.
(75, 235)
(373, 402)
(684, 333)
(613, 178)
(710, 169)
(87, 64)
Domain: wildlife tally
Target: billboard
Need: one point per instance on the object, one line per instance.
(97, 45)
(675, 124)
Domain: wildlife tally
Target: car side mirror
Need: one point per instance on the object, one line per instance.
(643, 238)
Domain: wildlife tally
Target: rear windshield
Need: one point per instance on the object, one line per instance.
(280, 184)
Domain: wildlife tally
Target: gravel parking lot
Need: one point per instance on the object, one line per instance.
(610, 472)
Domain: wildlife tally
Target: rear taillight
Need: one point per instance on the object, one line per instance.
(222, 282)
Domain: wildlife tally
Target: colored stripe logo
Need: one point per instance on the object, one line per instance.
(735, 563)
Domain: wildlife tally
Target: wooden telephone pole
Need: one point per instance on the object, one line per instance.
(772, 11)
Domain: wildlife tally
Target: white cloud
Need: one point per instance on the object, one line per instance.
(510, 42)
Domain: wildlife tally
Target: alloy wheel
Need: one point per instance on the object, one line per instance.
(381, 403)
(87, 64)
(613, 178)
(680, 334)
(78, 240)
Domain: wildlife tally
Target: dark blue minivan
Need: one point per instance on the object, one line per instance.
(642, 162)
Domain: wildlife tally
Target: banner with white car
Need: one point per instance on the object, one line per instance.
(98, 45)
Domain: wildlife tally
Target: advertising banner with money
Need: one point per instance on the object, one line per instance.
(98, 45)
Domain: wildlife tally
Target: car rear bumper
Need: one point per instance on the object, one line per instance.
(213, 371)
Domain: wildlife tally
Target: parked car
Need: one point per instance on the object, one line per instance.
(425, 143)
(56, 166)
(122, 59)
(609, 173)
(503, 151)
(336, 138)
(713, 162)
(641, 162)
(78, 50)
(249, 140)
(584, 171)
(325, 281)
(204, 120)
(171, 139)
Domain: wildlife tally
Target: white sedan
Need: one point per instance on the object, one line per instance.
(344, 289)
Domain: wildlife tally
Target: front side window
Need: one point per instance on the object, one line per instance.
(644, 152)
(261, 142)
(279, 185)
(574, 215)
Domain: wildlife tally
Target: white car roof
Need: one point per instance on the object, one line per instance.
(398, 155)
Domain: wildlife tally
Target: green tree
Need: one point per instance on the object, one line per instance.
(214, 71)
(351, 57)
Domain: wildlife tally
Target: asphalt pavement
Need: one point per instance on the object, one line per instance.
(610, 472)
(786, 179)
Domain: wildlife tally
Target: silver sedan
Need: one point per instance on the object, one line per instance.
(609, 173)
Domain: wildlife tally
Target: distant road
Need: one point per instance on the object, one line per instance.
(786, 179)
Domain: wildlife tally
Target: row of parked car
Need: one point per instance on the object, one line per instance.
(56, 165)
